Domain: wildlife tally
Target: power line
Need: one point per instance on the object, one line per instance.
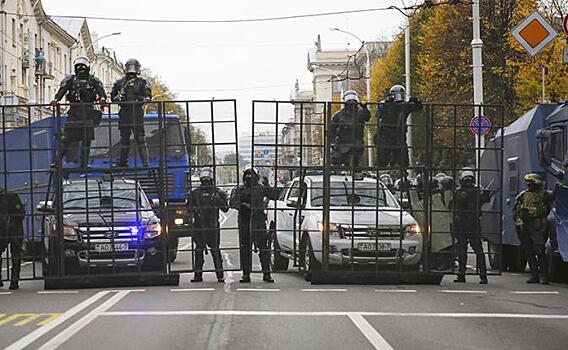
(236, 88)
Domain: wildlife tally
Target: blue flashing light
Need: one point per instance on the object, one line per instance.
(134, 230)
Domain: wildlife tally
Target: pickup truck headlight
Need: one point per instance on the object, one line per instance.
(70, 233)
(152, 230)
(335, 231)
(412, 231)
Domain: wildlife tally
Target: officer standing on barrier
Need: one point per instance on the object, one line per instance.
(392, 115)
(82, 90)
(466, 227)
(347, 131)
(248, 199)
(131, 92)
(532, 206)
(206, 201)
(12, 213)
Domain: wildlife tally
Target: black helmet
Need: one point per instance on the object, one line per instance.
(397, 93)
(132, 66)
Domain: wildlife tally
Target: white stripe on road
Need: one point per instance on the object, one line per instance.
(74, 328)
(533, 292)
(324, 290)
(370, 332)
(457, 291)
(334, 313)
(187, 246)
(192, 290)
(396, 291)
(58, 292)
(258, 289)
(5, 293)
(35, 335)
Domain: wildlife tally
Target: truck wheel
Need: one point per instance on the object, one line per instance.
(173, 250)
(307, 259)
(557, 268)
(279, 263)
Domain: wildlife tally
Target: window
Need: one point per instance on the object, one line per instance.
(294, 192)
(557, 143)
(284, 192)
(14, 36)
(361, 194)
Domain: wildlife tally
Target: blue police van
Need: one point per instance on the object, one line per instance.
(537, 142)
(27, 153)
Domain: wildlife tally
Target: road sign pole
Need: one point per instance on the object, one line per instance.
(477, 46)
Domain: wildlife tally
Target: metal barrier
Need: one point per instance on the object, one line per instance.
(338, 215)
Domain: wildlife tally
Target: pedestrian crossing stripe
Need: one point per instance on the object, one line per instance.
(19, 320)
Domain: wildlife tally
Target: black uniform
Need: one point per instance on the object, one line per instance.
(131, 92)
(248, 199)
(205, 204)
(533, 207)
(12, 214)
(81, 92)
(466, 228)
(347, 133)
(390, 139)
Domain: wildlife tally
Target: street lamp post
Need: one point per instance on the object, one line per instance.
(477, 47)
(368, 85)
(102, 37)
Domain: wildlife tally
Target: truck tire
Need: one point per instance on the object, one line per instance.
(307, 258)
(557, 268)
(279, 263)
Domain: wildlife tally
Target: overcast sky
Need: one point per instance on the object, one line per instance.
(201, 61)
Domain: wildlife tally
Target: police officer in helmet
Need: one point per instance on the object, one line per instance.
(12, 213)
(82, 90)
(466, 228)
(206, 201)
(248, 199)
(131, 92)
(532, 207)
(347, 130)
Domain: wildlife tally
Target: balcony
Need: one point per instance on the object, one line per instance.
(44, 70)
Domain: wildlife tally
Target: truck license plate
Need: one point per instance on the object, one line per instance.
(366, 247)
(107, 247)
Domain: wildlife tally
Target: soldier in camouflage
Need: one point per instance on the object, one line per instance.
(530, 213)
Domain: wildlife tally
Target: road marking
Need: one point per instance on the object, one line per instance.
(224, 219)
(396, 291)
(186, 246)
(258, 289)
(457, 291)
(5, 293)
(74, 328)
(192, 290)
(58, 292)
(35, 335)
(370, 332)
(533, 292)
(324, 290)
(334, 313)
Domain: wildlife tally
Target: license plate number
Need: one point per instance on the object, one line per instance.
(366, 247)
(107, 247)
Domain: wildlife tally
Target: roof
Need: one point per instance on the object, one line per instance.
(70, 25)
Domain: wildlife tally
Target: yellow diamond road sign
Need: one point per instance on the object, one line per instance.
(534, 33)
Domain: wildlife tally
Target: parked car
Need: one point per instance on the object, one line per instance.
(367, 225)
(106, 223)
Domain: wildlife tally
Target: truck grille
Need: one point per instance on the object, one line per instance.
(151, 181)
(386, 232)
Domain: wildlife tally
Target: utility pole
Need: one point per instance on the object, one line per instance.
(408, 89)
(477, 46)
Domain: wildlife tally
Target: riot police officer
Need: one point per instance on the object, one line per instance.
(248, 199)
(532, 206)
(82, 89)
(347, 131)
(390, 139)
(131, 91)
(206, 201)
(12, 214)
(466, 206)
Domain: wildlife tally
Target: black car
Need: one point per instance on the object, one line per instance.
(104, 224)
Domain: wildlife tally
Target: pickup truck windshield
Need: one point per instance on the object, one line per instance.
(360, 194)
(100, 195)
(107, 139)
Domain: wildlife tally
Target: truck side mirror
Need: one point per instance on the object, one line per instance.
(543, 147)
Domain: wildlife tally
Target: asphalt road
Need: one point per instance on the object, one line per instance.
(289, 314)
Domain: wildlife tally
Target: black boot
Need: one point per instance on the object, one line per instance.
(220, 277)
(143, 153)
(85, 153)
(14, 285)
(533, 280)
(544, 280)
(460, 279)
(267, 278)
(245, 278)
(197, 277)
(483, 279)
(123, 160)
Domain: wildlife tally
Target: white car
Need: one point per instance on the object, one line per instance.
(366, 226)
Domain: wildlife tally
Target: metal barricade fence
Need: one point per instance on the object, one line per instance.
(335, 214)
